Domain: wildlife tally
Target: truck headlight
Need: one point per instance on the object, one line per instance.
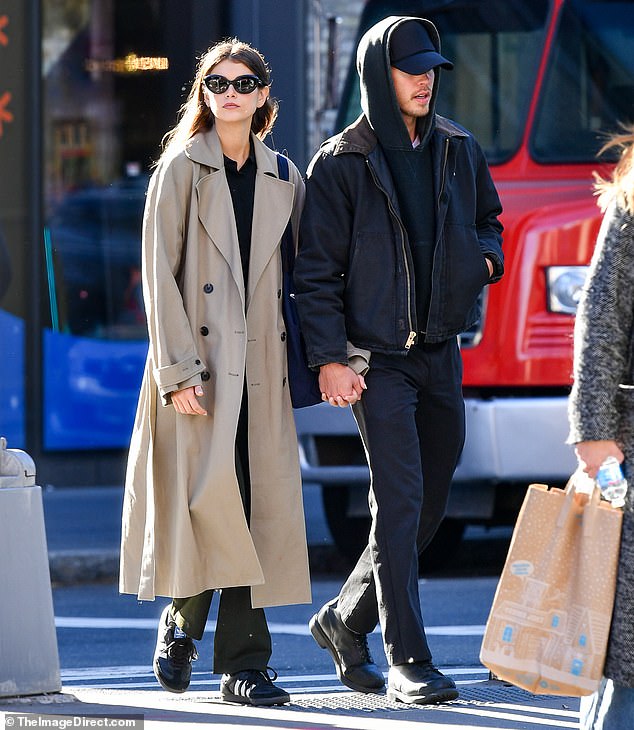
(563, 287)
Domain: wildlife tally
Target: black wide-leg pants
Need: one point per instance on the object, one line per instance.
(411, 419)
(242, 639)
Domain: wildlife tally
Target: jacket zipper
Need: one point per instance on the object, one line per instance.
(444, 170)
(440, 191)
(411, 337)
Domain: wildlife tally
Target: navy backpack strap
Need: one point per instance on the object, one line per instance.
(282, 166)
(302, 381)
(288, 245)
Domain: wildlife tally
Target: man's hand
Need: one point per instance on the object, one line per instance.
(592, 454)
(340, 385)
(185, 401)
(490, 266)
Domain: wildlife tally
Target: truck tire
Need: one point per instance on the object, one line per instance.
(350, 532)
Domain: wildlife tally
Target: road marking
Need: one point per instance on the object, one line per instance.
(316, 688)
(320, 710)
(511, 716)
(142, 677)
(150, 624)
(118, 672)
(335, 705)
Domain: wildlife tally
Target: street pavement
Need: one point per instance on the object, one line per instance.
(82, 526)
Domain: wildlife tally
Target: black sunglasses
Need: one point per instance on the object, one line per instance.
(242, 84)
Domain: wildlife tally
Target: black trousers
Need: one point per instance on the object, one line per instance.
(411, 419)
(242, 639)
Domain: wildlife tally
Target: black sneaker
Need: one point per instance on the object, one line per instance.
(173, 657)
(252, 687)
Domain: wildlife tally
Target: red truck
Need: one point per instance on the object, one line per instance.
(540, 84)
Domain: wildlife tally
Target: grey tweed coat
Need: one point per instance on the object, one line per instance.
(601, 404)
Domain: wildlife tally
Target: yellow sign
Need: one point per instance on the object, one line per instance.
(129, 65)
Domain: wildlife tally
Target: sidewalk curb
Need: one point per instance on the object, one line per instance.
(71, 567)
(68, 567)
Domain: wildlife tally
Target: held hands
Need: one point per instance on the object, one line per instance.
(185, 401)
(340, 385)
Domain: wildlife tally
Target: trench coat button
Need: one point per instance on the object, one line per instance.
(279, 293)
(205, 375)
(204, 331)
(197, 362)
(283, 337)
(208, 288)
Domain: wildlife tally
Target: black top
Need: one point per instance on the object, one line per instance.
(242, 188)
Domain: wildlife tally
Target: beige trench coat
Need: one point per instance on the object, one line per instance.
(184, 529)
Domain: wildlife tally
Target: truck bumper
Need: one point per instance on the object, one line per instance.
(517, 439)
(508, 439)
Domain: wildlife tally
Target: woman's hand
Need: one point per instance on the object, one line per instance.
(591, 454)
(185, 401)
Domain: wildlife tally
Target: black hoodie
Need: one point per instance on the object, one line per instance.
(411, 168)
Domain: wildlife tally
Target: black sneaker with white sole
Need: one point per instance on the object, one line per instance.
(173, 656)
(252, 687)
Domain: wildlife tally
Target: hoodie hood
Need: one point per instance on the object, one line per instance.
(378, 98)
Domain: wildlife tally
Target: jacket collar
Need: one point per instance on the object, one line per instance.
(205, 149)
(359, 137)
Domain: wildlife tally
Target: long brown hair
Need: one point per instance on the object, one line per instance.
(195, 116)
(620, 185)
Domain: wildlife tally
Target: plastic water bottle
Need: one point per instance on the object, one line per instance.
(612, 482)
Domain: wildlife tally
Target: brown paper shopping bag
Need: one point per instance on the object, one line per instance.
(548, 627)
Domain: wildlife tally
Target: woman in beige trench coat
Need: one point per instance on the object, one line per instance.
(213, 491)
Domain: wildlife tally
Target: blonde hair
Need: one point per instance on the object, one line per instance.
(195, 116)
(619, 187)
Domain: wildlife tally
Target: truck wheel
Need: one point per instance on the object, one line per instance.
(350, 532)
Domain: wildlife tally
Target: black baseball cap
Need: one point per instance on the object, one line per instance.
(412, 50)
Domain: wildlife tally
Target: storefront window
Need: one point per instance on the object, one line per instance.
(105, 68)
(14, 219)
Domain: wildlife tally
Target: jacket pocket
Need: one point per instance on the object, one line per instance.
(464, 275)
(370, 292)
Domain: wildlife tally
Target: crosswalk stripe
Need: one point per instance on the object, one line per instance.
(121, 672)
(317, 688)
(510, 716)
(305, 687)
(150, 624)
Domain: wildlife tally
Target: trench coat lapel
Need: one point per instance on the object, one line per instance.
(215, 211)
(272, 209)
(215, 207)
